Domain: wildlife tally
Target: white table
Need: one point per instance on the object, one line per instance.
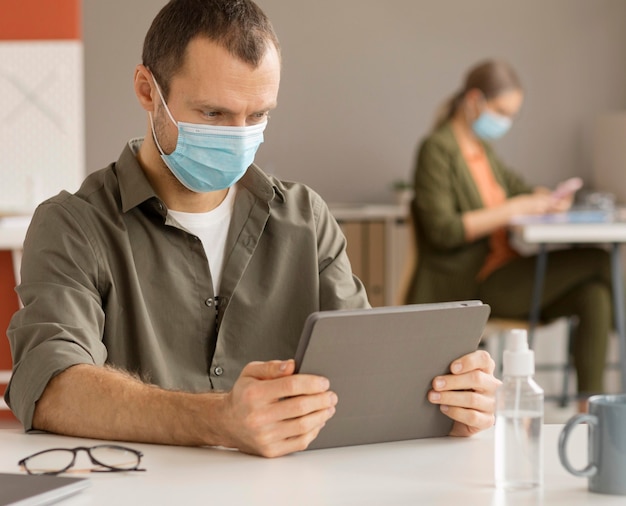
(553, 231)
(444, 471)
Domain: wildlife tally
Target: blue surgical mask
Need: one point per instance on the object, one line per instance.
(209, 158)
(490, 125)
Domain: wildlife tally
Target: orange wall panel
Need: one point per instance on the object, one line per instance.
(8, 306)
(40, 19)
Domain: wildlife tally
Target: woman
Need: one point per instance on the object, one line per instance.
(465, 198)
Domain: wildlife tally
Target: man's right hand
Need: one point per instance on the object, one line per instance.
(272, 412)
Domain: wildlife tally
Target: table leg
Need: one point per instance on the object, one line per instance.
(535, 302)
(618, 308)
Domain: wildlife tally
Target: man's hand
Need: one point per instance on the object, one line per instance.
(468, 394)
(272, 412)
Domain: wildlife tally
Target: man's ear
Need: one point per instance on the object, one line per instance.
(144, 88)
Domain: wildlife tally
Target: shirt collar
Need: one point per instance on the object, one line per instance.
(260, 184)
(135, 188)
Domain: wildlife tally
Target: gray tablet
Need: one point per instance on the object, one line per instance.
(381, 363)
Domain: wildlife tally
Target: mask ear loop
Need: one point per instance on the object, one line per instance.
(167, 109)
(154, 136)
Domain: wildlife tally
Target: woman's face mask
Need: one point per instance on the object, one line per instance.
(496, 116)
(490, 125)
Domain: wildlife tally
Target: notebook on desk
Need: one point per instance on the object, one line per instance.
(381, 363)
(29, 490)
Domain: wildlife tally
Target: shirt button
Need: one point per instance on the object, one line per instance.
(218, 371)
(209, 302)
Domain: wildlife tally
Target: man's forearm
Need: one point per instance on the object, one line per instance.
(99, 402)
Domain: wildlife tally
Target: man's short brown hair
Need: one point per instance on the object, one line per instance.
(240, 26)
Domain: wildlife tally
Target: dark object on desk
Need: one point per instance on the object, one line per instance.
(381, 363)
(28, 490)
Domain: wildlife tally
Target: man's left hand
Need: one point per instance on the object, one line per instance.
(467, 395)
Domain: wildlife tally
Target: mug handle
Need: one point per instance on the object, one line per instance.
(591, 468)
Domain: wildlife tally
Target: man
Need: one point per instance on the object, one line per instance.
(163, 301)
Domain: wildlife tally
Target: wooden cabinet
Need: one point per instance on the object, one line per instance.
(366, 250)
(377, 245)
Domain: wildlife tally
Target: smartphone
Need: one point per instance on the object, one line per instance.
(567, 187)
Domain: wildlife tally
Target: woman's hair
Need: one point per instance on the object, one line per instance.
(491, 77)
(239, 26)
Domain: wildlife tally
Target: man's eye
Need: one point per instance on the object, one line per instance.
(259, 116)
(211, 114)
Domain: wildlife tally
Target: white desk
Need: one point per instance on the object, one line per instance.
(555, 232)
(446, 471)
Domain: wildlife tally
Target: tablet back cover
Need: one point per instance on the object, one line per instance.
(381, 363)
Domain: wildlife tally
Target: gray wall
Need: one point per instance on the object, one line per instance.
(362, 80)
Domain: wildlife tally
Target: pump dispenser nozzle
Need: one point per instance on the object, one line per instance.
(518, 359)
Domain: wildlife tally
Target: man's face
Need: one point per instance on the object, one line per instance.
(215, 88)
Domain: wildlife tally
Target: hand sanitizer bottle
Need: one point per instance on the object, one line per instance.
(519, 418)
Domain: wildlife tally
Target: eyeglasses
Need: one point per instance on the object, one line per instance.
(111, 458)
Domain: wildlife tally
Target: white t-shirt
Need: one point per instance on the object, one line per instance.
(212, 229)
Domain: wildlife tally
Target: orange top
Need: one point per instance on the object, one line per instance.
(493, 195)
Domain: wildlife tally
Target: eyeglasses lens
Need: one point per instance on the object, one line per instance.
(116, 457)
(50, 462)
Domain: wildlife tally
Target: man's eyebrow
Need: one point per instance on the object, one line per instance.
(226, 110)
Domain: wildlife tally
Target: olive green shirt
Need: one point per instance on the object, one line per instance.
(447, 265)
(109, 278)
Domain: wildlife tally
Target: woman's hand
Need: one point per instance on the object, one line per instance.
(530, 203)
(543, 200)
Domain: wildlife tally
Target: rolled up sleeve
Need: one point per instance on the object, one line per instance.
(61, 322)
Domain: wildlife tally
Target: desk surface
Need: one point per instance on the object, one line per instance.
(444, 471)
(559, 229)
